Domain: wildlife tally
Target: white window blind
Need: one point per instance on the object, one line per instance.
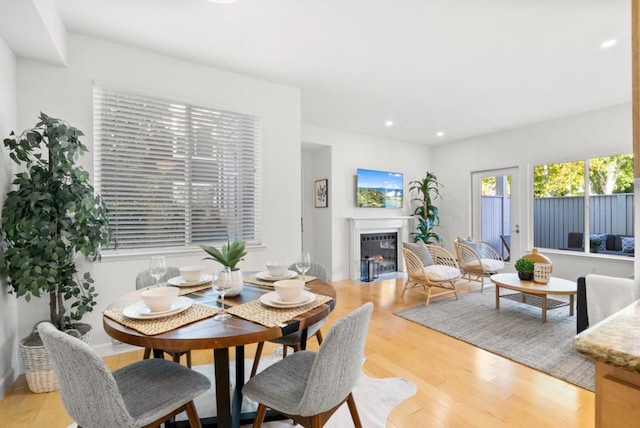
(175, 175)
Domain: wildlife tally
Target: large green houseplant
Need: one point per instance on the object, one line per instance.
(51, 215)
(425, 192)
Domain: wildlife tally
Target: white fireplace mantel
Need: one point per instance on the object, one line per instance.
(360, 225)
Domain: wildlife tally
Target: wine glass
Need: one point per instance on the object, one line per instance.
(157, 268)
(303, 264)
(222, 285)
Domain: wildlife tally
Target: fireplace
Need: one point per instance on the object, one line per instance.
(384, 226)
(381, 247)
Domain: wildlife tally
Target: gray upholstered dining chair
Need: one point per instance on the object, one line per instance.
(143, 280)
(311, 386)
(293, 340)
(143, 394)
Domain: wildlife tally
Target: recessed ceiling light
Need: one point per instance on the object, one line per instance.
(389, 123)
(440, 134)
(608, 43)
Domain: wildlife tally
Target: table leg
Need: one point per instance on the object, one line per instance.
(236, 405)
(303, 339)
(497, 296)
(544, 308)
(571, 305)
(223, 399)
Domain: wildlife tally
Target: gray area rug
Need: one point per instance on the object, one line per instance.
(515, 331)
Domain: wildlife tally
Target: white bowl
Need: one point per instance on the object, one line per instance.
(160, 299)
(191, 273)
(289, 290)
(277, 268)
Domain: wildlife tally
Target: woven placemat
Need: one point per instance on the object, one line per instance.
(156, 326)
(272, 317)
(189, 290)
(252, 279)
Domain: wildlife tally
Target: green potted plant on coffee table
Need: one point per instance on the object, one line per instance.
(51, 215)
(525, 268)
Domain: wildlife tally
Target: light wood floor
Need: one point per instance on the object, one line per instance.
(458, 384)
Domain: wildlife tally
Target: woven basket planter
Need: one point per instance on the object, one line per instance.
(38, 367)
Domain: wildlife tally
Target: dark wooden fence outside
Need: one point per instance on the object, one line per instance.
(554, 218)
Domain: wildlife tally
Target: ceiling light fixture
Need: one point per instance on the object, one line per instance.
(388, 123)
(440, 134)
(608, 43)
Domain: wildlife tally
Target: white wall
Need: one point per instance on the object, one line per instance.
(602, 132)
(67, 93)
(348, 153)
(9, 367)
(316, 165)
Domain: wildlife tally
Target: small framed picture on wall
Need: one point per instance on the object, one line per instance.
(321, 192)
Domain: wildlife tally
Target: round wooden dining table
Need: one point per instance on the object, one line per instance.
(220, 337)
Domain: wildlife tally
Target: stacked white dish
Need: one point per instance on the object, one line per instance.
(266, 276)
(141, 311)
(272, 299)
(179, 281)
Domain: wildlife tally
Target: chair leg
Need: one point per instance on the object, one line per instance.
(192, 414)
(316, 422)
(354, 411)
(189, 358)
(428, 296)
(176, 357)
(147, 353)
(256, 359)
(284, 351)
(319, 337)
(257, 422)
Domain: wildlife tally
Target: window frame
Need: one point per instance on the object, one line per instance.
(236, 175)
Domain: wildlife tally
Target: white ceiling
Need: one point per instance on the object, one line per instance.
(464, 67)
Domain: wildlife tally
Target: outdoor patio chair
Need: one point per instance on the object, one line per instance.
(478, 260)
(443, 272)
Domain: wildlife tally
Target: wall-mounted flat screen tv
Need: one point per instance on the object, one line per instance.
(379, 189)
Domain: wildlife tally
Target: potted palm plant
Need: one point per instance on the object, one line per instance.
(51, 215)
(229, 256)
(427, 190)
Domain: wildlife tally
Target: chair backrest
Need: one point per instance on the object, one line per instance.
(144, 278)
(441, 256)
(317, 269)
(89, 391)
(575, 240)
(337, 365)
(413, 264)
(467, 255)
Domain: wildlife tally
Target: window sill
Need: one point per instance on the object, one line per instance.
(599, 256)
(130, 254)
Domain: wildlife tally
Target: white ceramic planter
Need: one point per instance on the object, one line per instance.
(235, 278)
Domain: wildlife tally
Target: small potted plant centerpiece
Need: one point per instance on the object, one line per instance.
(229, 256)
(594, 244)
(525, 268)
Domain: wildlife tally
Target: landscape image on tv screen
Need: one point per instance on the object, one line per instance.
(379, 189)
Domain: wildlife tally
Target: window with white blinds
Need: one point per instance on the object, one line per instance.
(176, 175)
